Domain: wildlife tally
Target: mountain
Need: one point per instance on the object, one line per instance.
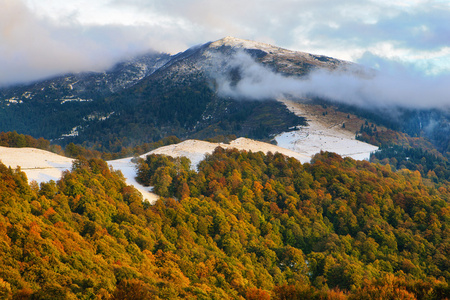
(54, 108)
(87, 86)
(278, 59)
(191, 95)
(153, 96)
(246, 220)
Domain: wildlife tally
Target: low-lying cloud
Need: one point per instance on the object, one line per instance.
(33, 47)
(391, 86)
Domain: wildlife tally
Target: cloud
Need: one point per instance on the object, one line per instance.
(343, 29)
(391, 86)
(386, 89)
(28, 48)
(33, 48)
(421, 27)
(240, 76)
(43, 37)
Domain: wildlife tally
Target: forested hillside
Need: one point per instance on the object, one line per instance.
(16, 140)
(243, 226)
(148, 98)
(430, 126)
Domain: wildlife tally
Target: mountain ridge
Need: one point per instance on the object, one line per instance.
(158, 95)
(93, 102)
(145, 65)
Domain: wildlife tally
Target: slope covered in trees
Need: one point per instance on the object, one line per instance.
(425, 128)
(16, 140)
(243, 226)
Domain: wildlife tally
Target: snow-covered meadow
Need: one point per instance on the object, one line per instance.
(321, 136)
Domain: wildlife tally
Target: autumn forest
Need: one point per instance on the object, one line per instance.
(242, 225)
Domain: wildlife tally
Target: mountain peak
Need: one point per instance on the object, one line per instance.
(280, 58)
(242, 43)
(232, 40)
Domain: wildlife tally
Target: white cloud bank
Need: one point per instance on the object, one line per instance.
(40, 38)
(391, 86)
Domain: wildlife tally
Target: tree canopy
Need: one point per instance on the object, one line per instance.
(242, 226)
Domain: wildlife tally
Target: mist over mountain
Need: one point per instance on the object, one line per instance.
(348, 83)
(216, 89)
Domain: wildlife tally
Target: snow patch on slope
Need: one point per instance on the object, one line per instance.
(196, 150)
(43, 166)
(320, 136)
(39, 165)
(128, 170)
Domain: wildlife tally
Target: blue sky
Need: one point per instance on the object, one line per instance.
(40, 38)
